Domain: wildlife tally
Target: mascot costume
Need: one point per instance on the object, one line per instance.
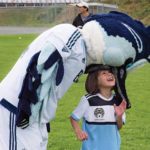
(30, 92)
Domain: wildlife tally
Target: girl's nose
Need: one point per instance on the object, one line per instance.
(110, 74)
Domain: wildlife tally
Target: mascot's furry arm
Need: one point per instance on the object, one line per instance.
(124, 43)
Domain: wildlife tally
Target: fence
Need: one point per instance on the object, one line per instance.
(46, 15)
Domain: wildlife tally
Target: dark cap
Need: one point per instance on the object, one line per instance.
(97, 67)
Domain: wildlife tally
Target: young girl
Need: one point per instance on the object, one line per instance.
(102, 114)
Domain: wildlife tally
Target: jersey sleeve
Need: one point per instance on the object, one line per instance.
(79, 111)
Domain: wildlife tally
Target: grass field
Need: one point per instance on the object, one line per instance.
(135, 134)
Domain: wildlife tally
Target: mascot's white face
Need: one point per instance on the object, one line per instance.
(105, 49)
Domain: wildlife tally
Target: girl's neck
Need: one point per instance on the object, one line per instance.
(107, 93)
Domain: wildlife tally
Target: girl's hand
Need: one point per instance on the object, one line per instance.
(81, 135)
(119, 110)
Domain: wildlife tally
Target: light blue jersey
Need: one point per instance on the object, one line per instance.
(99, 122)
(101, 137)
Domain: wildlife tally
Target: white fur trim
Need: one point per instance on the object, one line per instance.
(94, 39)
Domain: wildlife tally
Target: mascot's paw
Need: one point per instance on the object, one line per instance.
(113, 57)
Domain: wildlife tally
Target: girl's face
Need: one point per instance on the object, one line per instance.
(106, 79)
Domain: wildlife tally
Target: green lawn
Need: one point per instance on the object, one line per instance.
(135, 134)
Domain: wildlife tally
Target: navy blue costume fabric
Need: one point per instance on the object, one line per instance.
(113, 24)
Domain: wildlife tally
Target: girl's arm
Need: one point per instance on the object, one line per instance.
(119, 122)
(119, 110)
(81, 135)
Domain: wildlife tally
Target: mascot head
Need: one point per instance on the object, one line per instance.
(115, 39)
